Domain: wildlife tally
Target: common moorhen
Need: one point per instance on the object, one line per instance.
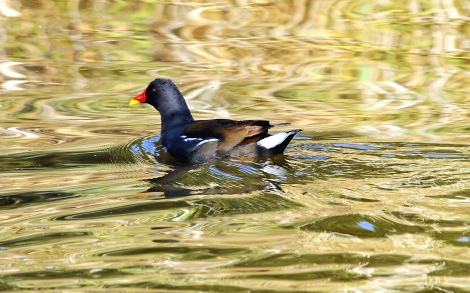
(191, 141)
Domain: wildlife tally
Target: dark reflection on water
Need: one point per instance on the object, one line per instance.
(40, 238)
(360, 226)
(198, 208)
(183, 252)
(124, 210)
(291, 259)
(188, 288)
(131, 152)
(57, 160)
(17, 200)
(335, 275)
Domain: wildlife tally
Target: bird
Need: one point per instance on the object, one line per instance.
(197, 141)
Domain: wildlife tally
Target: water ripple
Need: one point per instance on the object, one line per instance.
(373, 195)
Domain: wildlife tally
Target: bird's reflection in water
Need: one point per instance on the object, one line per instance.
(221, 176)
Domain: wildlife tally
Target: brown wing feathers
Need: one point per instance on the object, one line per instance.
(229, 132)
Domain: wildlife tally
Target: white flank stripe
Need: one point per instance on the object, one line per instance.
(204, 141)
(273, 140)
(192, 138)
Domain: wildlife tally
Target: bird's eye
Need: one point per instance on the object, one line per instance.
(153, 90)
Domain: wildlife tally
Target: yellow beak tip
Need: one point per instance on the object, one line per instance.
(134, 102)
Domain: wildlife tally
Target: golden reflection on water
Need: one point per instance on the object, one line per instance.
(380, 70)
(373, 195)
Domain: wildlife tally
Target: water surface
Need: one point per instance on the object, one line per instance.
(372, 196)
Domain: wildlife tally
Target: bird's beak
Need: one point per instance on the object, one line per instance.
(139, 99)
